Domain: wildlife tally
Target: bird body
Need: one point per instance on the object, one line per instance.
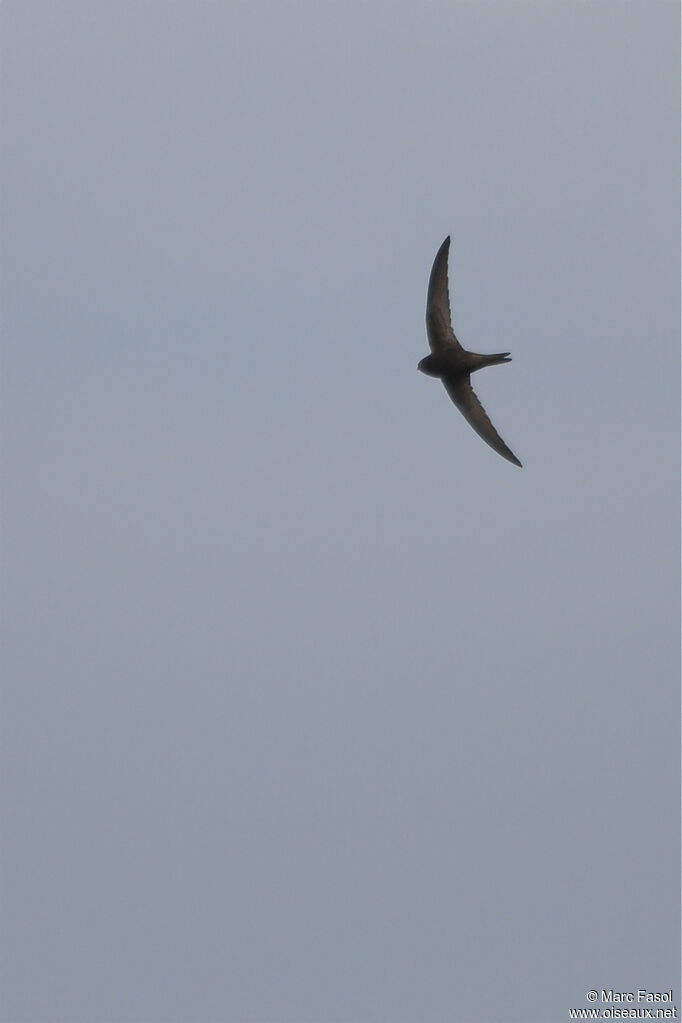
(437, 364)
(453, 364)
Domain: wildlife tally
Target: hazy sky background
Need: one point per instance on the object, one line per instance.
(315, 709)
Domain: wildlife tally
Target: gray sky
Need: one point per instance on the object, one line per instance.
(316, 710)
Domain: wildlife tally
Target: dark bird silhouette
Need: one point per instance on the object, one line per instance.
(452, 363)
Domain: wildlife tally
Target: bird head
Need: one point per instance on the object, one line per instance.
(427, 365)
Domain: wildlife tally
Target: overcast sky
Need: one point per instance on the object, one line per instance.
(315, 709)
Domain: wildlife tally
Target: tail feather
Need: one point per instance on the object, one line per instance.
(491, 360)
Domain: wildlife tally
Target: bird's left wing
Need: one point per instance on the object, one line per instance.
(438, 319)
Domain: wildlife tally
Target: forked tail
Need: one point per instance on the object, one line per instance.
(491, 360)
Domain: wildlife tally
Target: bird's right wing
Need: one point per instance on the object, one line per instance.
(438, 319)
(462, 393)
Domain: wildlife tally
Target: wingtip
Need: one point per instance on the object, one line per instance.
(444, 248)
(511, 457)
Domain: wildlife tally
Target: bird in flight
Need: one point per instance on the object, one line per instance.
(452, 363)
